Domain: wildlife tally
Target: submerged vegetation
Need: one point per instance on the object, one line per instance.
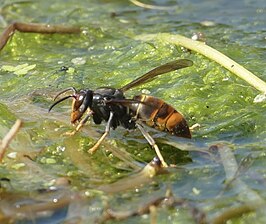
(49, 177)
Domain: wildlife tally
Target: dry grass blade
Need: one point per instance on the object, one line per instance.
(9, 136)
(147, 6)
(231, 168)
(251, 200)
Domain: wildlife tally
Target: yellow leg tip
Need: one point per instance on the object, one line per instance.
(164, 164)
(93, 149)
(70, 133)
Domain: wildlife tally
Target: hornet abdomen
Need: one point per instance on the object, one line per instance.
(160, 115)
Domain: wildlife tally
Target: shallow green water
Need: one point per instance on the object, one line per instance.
(111, 56)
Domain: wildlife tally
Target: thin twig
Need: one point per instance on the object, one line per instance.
(151, 207)
(34, 28)
(9, 136)
(153, 214)
(233, 212)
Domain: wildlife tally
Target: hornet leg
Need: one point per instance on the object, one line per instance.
(152, 143)
(81, 123)
(107, 130)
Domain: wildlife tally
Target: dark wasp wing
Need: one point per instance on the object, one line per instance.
(124, 102)
(165, 68)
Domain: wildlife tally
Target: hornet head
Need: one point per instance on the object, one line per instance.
(82, 100)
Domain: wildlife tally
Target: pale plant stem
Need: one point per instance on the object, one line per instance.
(210, 53)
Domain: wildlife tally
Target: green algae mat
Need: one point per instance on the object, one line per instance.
(217, 176)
